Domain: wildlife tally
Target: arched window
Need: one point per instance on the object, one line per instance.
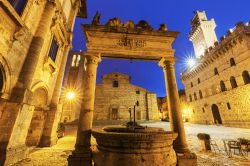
(200, 94)
(216, 71)
(232, 62)
(233, 82)
(199, 81)
(73, 62)
(78, 60)
(190, 98)
(222, 86)
(191, 84)
(115, 84)
(246, 77)
(195, 96)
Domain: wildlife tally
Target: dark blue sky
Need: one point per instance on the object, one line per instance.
(176, 14)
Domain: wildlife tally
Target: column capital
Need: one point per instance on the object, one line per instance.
(93, 58)
(167, 62)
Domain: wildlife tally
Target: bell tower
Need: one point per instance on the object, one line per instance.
(203, 33)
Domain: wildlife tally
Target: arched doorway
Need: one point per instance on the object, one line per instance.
(216, 114)
(38, 119)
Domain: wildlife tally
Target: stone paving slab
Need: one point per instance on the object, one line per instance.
(57, 155)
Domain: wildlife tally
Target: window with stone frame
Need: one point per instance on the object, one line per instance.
(18, 5)
(53, 49)
(115, 84)
(246, 77)
(233, 82)
(138, 92)
(232, 62)
(216, 71)
(222, 86)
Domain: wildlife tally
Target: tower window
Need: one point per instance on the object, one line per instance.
(233, 82)
(246, 77)
(18, 5)
(232, 62)
(138, 92)
(115, 84)
(53, 49)
(216, 71)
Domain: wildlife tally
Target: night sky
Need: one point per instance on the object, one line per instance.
(176, 14)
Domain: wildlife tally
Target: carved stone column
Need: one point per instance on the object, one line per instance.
(31, 61)
(49, 136)
(82, 153)
(176, 122)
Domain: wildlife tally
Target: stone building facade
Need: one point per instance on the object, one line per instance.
(218, 86)
(35, 37)
(115, 95)
(163, 106)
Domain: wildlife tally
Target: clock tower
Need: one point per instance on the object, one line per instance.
(203, 33)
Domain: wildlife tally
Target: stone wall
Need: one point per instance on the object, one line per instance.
(25, 41)
(233, 103)
(115, 102)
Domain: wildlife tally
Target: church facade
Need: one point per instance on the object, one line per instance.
(35, 39)
(115, 96)
(218, 86)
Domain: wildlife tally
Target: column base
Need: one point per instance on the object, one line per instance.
(13, 155)
(186, 159)
(80, 159)
(47, 141)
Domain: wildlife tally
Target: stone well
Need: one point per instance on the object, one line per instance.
(122, 146)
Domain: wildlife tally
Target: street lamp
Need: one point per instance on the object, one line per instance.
(70, 95)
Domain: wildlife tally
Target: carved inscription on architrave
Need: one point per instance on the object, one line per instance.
(131, 43)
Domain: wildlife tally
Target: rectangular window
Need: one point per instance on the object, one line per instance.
(18, 5)
(228, 106)
(138, 92)
(53, 49)
(115, 84)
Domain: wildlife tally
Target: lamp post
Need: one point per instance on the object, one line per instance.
(68, 96)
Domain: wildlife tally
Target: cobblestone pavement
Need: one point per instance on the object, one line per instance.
(57, 155)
